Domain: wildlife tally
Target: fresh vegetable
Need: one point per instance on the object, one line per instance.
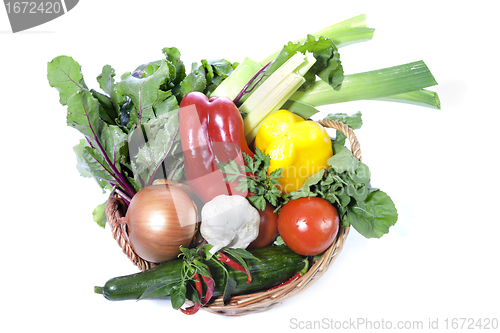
(300, 148)
(199, 291)
(346, 184)
(233, 264)
(160, 219)
(271, 266)
(275, 91)
(308, 225)
(377, 84)
(131, 125)
(211, 131)
(253, 177)
(229, 221)
(268, 228)
(297, 276)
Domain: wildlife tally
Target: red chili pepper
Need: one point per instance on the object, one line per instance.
(199, 289)
(231, 263)
(293, 278)
(192, 309)
(209, 282)
(211, 132)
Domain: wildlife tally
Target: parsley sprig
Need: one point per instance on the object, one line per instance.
(254, 178)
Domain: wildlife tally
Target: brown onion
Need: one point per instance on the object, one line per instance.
(160, 219)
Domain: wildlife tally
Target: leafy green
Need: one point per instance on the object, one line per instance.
(346, 184)
(374, 216)
(354, 121)
(343, 161)
(130, 126)
(65, 75)
(81, 164)
(99, 215)
(144, 91)
(206, 76)
(327, 66)
(158, 142)
(178, 295)
(83, 114)
(253, 177)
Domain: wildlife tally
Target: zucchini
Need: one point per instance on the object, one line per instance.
(275, 265)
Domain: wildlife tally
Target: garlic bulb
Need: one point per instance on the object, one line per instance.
(229, 221)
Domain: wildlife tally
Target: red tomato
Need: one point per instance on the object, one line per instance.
(268, 229)
(308, 225)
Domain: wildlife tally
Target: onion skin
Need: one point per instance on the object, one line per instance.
(160, 219)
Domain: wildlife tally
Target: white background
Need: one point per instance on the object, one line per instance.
(440, 166)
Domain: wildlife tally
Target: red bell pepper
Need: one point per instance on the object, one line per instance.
(211, 132)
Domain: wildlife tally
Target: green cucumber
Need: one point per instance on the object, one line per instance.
(275, 265)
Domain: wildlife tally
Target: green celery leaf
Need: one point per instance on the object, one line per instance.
(65, 75)
(327, 66)
(99, 215)
(373, 217)
(144, 91)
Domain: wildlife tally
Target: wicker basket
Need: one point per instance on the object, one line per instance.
(260, 301)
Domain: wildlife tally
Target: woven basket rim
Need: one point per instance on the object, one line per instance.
(260, 301)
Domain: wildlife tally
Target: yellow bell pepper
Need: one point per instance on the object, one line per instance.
(301, 147)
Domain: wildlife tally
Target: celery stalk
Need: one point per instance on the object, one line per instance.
(235, 82)
(279, 75)
(369, 85)
(281, 93)
(275, 91)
